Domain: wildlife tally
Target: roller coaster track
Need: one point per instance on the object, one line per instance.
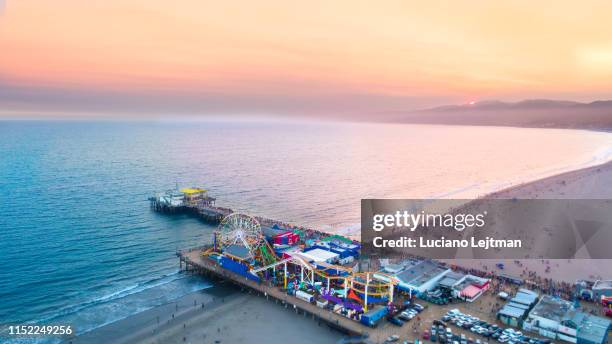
(247, 227)
(359, 282)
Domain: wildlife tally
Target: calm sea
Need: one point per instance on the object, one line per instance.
(79, 244)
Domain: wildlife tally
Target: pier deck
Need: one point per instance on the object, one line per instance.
(213, 214)
(192, 260)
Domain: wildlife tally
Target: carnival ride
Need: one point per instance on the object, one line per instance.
(239, 229)
(244, 231)
(332, 282)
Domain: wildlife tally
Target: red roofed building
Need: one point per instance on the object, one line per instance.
(470, 287)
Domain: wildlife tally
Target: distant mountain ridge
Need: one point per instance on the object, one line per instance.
(540, 113)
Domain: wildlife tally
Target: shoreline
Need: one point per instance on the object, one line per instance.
(598, 159)
(560, 180)
(139, 325)
(222, 313)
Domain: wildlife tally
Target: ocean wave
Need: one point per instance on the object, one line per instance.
(77, 310)
(122, 293)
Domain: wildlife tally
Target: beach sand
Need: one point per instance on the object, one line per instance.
(141, 325)
(229, 315)
(588, 183)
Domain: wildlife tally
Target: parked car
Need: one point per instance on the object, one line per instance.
(392, 338)
(406, 316)
(396, 321)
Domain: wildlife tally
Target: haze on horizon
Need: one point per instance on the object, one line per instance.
(277, 57)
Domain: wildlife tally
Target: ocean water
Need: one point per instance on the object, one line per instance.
(78, 243)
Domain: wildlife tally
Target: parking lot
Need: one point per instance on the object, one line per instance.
(414, 328)
(484, 308)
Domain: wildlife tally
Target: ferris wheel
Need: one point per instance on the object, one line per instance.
(240, 229)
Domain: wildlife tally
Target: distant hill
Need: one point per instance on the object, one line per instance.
(540, 113)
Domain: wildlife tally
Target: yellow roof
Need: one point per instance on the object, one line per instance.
(191, 191)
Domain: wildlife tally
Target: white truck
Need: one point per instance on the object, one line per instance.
(302, 295)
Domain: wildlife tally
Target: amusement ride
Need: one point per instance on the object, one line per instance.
(240, 238)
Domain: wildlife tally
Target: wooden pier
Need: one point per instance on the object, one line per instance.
(208, 213)
(193, 261)
(206, 210)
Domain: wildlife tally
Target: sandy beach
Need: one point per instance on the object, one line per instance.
(593, 182)
(222, 314)
(144, 324)
(588, 183)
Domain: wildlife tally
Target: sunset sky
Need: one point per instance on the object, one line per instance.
(276, 57)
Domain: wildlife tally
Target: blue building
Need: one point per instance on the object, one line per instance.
(558, 319)
(591, 329)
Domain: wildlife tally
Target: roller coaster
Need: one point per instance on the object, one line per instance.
(296, 270)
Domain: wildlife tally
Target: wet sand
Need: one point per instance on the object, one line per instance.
(229, 315)
(143, 324)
